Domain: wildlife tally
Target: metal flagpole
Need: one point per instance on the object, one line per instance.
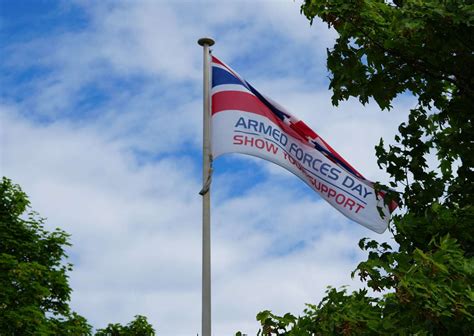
(205, 192)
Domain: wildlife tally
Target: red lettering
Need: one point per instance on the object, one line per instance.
(359, 206)
(349, 203)
(331, 193)
(271, 148)
(238, 140)
(324, 188)
(248, 141)
(259, 143)
(340, 199)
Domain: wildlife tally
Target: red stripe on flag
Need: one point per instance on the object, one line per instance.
(218, 61)
(303, 129)
(246, 102)
(392, 205)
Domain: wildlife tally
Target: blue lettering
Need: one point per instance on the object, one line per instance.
(348, 182)
(358, 188)
(307, 159)
(241, 122)
(293, 148)
(334, 174)
(254, 124)
(367, 192)
(262, 129)
(276, 134)
(314, 164)
(324, 169)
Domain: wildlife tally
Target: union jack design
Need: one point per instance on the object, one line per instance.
(230, 92)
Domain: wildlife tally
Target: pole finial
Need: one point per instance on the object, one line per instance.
(206, 41)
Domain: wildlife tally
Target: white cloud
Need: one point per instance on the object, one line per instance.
(121, 174)
(136, 233)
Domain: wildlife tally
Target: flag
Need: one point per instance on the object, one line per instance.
(248, 122)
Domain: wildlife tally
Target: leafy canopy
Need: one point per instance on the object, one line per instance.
(138, 327)
(34, 295)
(384, 49)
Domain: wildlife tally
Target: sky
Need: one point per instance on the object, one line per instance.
(101, 125)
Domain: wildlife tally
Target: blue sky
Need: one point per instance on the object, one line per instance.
(100, 123)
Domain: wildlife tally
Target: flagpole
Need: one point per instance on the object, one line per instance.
(205, 192)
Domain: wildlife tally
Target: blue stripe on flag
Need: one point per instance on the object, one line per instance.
(279, 114)
(334, 158)
(221, 76)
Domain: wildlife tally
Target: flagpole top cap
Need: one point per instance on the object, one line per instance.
(206, 41)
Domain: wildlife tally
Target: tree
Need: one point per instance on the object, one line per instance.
(34, 285)
(34, 288)
(138, 327)
(384, 49)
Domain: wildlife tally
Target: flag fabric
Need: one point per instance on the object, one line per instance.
(248, 122)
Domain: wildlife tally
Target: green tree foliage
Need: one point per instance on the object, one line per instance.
(34, 289)
(384, 49)
(138, 327)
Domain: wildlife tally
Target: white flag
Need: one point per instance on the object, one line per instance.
(244, 121)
